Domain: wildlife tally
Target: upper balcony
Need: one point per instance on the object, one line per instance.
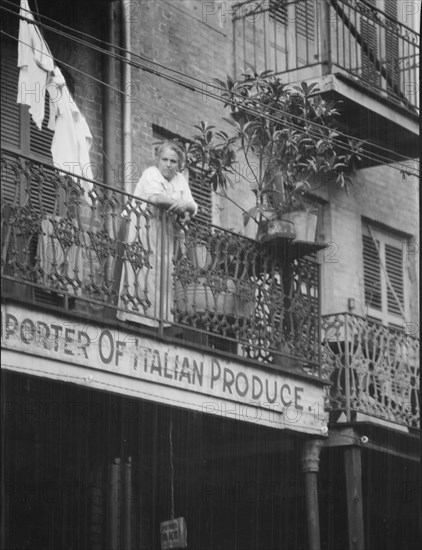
(107, 255)
(359, 54)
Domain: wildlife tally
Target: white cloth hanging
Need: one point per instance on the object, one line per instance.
(35, 62)
(72, 138)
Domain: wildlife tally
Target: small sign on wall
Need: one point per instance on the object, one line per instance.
(173, 534)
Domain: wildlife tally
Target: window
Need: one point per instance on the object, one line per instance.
(380, 46)
(201, 194)
(384, 276)
(19, 133)
(291, 34)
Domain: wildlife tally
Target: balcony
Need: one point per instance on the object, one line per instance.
(374, 371)
(362, 57)
(68, 247)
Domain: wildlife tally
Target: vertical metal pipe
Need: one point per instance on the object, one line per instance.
(114, 505)
(96, 525)
(127, 500)
(347, 372)
(109, 117)
(353, 470)
(127, 97)
(165, 267)
(5, 448)
(234, 47)
(312, 511)
(266, 38)
(257, 69)
(310, 466)
(244, 45)
(319, 318)
(275, 42)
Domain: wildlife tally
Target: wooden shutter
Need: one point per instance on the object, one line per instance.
(305, 20)
(392, 47)
(10, 110)
(371, 274)
(202, 196)
(370, 51)
(394, 268)
(384, 277)
(278, 11)
(20, 135)
(10, 122)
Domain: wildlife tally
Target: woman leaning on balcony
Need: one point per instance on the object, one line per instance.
(149, 248)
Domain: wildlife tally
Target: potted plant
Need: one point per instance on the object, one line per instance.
(288, 140)
(210, 274)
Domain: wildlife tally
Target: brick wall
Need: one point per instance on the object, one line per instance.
(181, 36)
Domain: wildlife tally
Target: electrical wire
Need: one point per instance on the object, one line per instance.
(191, 88)
(402, 170)
(385, 160)
(375, 157)
(99, 81)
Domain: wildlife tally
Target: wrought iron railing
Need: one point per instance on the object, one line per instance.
(374, 369)
(317, 37)
(108, 253)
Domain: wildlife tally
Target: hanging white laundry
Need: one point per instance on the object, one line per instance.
(35, 62)
(72, 138)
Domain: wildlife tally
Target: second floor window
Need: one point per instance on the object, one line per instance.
(384, 277)
(19, 132)
(201, 194)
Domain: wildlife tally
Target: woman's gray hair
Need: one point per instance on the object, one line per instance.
(174, 147)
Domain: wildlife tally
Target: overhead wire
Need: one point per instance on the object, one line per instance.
(180, 73)
(372, 156)
(377, 158)
(192, 88)
(99, 81)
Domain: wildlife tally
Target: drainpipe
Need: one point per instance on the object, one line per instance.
(310, 467)
(126, 87)
(109, 117)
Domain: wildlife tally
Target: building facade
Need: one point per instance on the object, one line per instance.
(270, 399)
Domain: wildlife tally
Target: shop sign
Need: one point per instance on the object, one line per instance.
(125, 362)
(173, 534)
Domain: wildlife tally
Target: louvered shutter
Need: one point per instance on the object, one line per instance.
(392, 46)
(370, 52)
(20, 134)
(302, 25)
(384, 277)
(305, 32)
(305, 20)
(202, 195)
(10, 122)
(372, 274)
(394, 268)
(278, 11)
(10, 110)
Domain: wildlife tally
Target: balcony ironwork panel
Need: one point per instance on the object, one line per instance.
(104, 252)
(374, 369)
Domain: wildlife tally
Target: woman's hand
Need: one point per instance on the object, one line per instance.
(182, 207)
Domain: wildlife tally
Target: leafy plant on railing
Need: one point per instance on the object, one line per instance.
(287, 135)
